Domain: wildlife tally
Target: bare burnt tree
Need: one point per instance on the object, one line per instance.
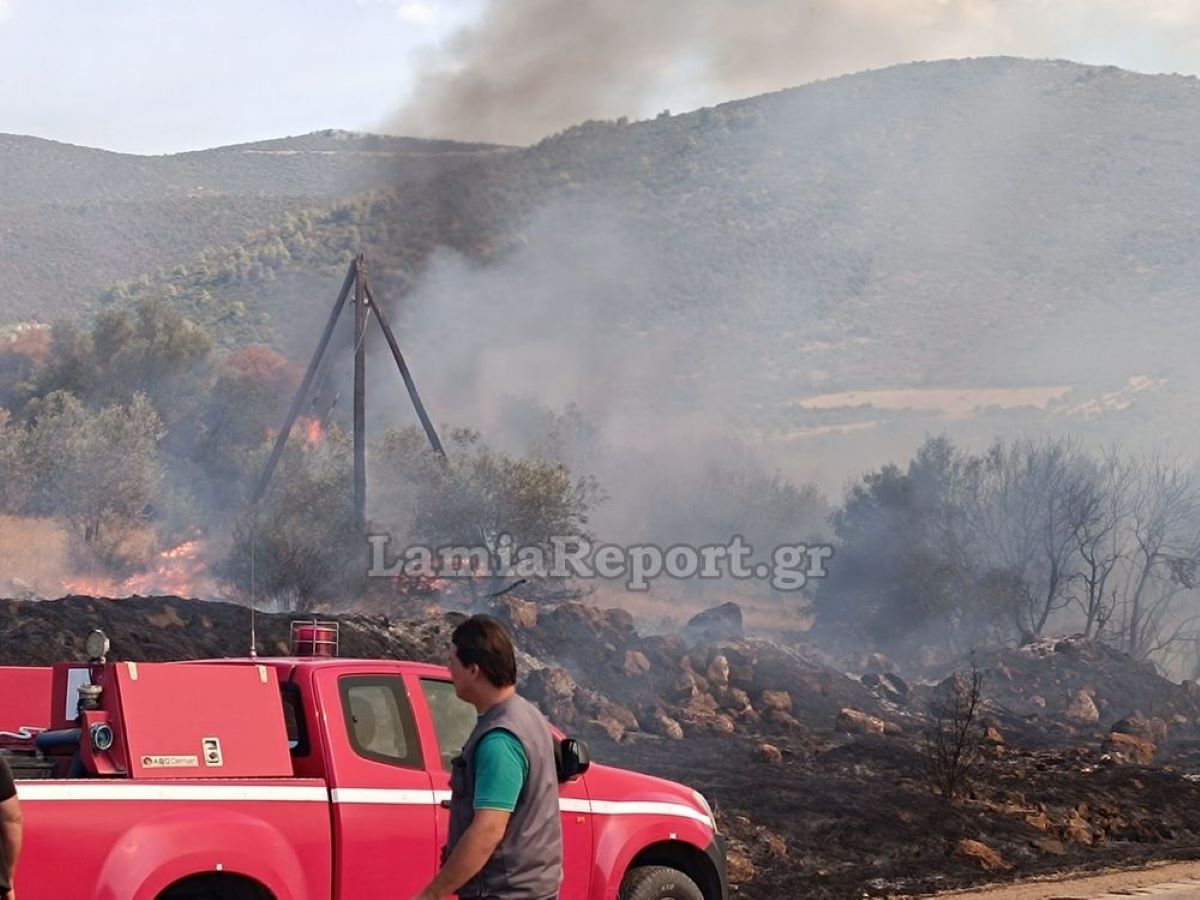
(1029, 504)
(1162, 555)
(1099, 516)
(954, 737)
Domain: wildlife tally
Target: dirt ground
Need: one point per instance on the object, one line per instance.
(812, 810)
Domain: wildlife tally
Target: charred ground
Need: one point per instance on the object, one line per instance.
(819, 776)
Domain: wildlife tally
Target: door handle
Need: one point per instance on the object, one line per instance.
(445, 804)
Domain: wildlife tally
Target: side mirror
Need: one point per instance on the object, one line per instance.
(572, 758)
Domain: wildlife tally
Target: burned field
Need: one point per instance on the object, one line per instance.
(821, 778)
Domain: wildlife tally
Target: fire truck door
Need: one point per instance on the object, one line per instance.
(383, 801)
(452, 721)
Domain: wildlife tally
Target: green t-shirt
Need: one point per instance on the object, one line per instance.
(501, 767)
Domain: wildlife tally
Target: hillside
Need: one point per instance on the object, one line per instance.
(75, 220)
(977, 246)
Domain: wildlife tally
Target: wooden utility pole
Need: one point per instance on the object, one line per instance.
(364, 305)
(360, 395)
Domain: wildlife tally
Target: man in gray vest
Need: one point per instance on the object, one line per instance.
(505, 839)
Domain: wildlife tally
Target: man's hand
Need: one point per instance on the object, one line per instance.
(470, 854)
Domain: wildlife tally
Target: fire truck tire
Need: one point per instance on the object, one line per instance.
(658, 883)
(215, 887)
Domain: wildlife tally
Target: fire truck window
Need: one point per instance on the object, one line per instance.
(379, 720)
(453, 719)
(293, 717)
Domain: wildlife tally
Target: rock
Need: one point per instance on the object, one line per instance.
(721, 623)
(723, 724)
(1050, 845)
(987, 858)
(610, 727)
(893, 687)
(993, 736)
(658, 722)
(717, 672)
(1130, 748)
(1078, 830)
(1038, 820)
(1082, 707)
(853, 721)
(770, 753)
(516, 612)
(743, 660)
(781, 719)
(735, 699)
(620, 619)
(1037, 701)
(739, 867)
(1151, 728)
(551, 682)
(688, 684)
(780, 700)
(636, 663)
(775, 845)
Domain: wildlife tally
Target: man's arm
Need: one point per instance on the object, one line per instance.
(10, 835)
(472, 851)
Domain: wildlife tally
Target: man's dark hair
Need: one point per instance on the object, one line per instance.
(485, 642)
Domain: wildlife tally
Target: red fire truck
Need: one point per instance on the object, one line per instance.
(296, 778)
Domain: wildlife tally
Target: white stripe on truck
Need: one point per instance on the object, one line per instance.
(32, 790)
(131, 790)
(385, 796)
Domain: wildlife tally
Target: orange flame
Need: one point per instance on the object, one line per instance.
(310, 430)
(177, 571)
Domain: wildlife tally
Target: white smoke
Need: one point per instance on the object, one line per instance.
(528, 68)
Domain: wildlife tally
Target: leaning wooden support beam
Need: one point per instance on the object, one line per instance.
(305, 385)
(430, 431)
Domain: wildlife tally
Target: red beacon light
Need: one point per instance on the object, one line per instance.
(311, 637)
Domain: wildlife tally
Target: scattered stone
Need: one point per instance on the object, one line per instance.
(636, 663)
(621, 619)
(739, 867)
(610, 727)
(1152, 728)
(1129, 748)
(1050, 845)
(516, 612)
(660, 723)
(770, 753)
(1038, 820)
(780, 700)
(717, 672)
(1082, 707)
(981, 853)
(1078, 830)
(721, 623)
(853, 721)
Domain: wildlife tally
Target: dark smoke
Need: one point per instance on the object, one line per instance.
(528, 68)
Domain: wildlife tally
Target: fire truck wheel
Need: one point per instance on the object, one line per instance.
(658, 883)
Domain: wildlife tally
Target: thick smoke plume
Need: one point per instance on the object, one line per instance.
(528, 68)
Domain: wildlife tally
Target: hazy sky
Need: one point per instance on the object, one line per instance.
(153, 76)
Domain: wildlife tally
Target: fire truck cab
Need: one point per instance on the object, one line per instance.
(296, 778)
